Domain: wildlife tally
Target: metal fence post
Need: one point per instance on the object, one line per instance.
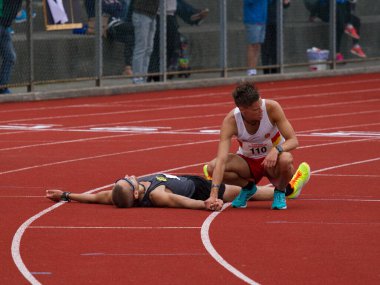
(29, 39)
(163, 36)
(98, 43)
(280, 35)
(223, 37)
(332, 31)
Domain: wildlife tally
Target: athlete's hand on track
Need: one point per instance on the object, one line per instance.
(54, 195)
(213, 204)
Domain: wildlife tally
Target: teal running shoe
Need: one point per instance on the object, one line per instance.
(245, 194)
(279, 201)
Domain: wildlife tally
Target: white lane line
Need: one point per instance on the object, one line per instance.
(194, 95)
(340, 200)
(205, 95)
(208, 105)
(198, 95)
(348, 175)
(25, 196)
(141, 254)
(105, 155)
(15, 248)
(321, 223)
(156, 148)
(211, 250)
(346, 164)
(99, 138)
(16, 245)
(113, 228)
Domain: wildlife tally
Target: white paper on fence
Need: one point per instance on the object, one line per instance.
(58, 11)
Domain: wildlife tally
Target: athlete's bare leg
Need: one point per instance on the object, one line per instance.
(237, 171)
(283, 172)
(264, 193)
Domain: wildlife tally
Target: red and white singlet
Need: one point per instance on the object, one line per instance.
(257, 145)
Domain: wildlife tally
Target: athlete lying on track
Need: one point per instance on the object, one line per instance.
(165, 190)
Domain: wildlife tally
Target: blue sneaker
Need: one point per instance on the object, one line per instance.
(279, 201)
(245, 194)
(21, 17)
(10, 30)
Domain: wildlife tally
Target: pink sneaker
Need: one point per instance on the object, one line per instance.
(339, 57)
(357, 50)
(351, 31)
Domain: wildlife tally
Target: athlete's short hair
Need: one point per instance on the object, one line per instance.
(245, 94)
(122, 196)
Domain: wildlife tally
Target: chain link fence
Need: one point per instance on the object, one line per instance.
(203, 40)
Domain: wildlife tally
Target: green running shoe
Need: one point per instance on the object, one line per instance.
(245, 194)
(205, 172)
(299, 180)
(279, 200)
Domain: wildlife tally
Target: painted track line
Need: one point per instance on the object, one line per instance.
(200, 95)
(15, 248)
(321, 223)
(101, 156)
(156, 148)
(114, 228)
(16, 241)
(206, 227)
(176, 107)
(141, 254)
(16, 245)
(211, 250)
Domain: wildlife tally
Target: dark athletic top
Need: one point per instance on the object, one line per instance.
(179, 185)
(194, 187)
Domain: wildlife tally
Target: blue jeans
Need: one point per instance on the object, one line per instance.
(7, 54)
(185, 11)
(145, 29)
(115, 9)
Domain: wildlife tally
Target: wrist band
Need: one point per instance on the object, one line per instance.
(65, 196)
(215, 186)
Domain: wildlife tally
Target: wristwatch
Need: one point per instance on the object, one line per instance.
(279, 149)
(65, 197)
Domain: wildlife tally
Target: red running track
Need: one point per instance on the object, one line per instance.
(328, 235)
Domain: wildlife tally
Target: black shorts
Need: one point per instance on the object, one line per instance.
(203, 188)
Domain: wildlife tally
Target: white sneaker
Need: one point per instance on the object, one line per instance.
(138, 80)
(251, 72)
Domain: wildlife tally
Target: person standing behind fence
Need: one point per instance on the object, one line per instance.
(144, 22)
(9, 10)
(346, 23)
(172, 40)
(269, 47)
(255, 18)
(352, 28)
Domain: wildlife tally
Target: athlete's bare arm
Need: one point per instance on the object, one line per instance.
(227, 131)
(163, 197)
(277, 117)
(103, 197)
